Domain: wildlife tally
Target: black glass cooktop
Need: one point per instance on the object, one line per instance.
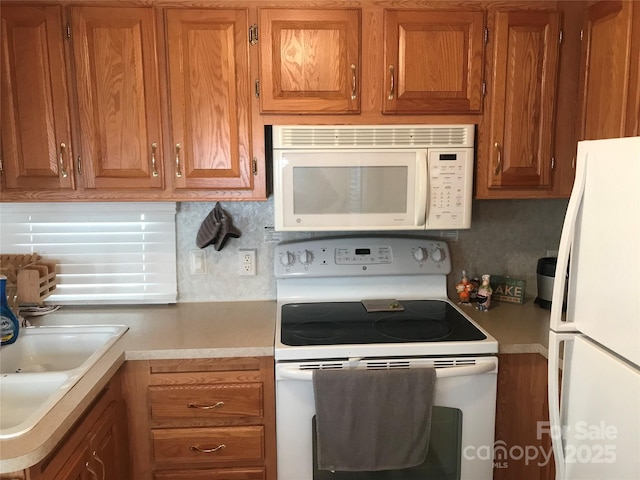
(340, 323)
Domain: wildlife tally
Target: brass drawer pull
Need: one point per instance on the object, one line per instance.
(205, 407)
(195, 448)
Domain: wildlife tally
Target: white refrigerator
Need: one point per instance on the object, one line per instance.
(595, 411)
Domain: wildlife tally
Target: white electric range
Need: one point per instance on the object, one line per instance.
(380, 302)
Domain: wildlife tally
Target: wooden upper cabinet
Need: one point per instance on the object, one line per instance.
(36, 133)
(309, 60)
(610, 83)
(433, 61)
(118, 97)
(208, 62)
(525, 65)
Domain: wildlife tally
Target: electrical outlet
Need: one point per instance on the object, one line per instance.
(248, 261)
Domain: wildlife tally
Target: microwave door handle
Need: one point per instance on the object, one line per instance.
(423, 192)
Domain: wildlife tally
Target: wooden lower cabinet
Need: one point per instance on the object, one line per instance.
(97, 447)
(236, 474)
(522, 419)
(202, 419)
(196, 446)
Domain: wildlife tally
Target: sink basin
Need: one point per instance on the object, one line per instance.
(23, 396)
(57, 349)
(42, 365)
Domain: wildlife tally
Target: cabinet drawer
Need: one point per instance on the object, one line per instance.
(235, 474)
(195, 446)
(206, 401)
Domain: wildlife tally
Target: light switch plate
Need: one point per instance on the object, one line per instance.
(198, 263)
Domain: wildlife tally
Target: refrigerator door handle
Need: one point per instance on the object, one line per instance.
(555, 400)
(566, 241)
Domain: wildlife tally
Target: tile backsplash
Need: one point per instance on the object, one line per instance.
(507, 237)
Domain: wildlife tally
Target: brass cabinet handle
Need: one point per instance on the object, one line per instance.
(205, 407)
(154, 169)
(195, 448)
(393, 86)
(353, 82)
(178, 172)
(499, 164)
(94, 474)
(97, 459)
(63, 169)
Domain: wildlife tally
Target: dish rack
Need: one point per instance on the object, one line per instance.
(29, 278)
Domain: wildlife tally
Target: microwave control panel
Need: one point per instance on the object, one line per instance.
(450, 188)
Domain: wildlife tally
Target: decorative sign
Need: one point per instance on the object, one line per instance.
(507, 289)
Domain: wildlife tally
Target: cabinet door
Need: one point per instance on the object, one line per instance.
(609, 89)
(522, 418)
(78, 466)
(208, 60)
(525, 65)
(118, 100)
(36, 133)
(433, 61)
(309, 60)
(108, 445)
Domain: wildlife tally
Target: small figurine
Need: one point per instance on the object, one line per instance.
(464, 288)
(475, 283)
(484, 294)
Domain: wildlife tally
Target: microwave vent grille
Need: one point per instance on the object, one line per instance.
(426, 136)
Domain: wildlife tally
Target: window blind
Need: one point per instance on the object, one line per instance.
(106, 253)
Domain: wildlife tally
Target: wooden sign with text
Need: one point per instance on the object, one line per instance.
(506, 289)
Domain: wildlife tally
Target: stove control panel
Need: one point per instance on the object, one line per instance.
(362, 256)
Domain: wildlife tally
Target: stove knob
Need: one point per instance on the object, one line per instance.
(287, 259)
(437, 255)
(420, 254)
(306, 257)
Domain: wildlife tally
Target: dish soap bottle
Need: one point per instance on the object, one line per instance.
(10, 324)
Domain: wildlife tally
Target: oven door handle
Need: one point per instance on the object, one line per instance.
(293, 373)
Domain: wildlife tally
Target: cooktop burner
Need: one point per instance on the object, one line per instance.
(340, 323)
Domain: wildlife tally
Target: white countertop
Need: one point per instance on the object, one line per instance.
(517, 328)
(210, 330)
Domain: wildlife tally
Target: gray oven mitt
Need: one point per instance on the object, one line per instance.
(216, 229)
(227, 229)
(208, 230)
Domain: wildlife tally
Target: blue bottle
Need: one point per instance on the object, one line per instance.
(10, 324)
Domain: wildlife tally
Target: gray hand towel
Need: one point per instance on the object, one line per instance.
(370, 420)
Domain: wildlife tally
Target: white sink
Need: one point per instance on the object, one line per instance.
(39, 368)
(23, 396)
(57, 349)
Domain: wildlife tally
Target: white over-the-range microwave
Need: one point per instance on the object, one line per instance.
(375, 177)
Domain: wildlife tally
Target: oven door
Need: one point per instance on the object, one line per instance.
(462, 431)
